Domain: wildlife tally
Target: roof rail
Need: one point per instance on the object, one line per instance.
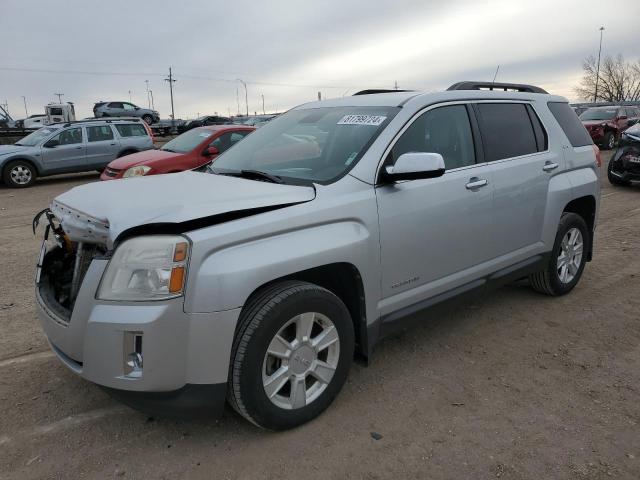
(506, 87)
(101, 119)
(373, 91)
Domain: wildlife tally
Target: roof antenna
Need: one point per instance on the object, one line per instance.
(494, 77)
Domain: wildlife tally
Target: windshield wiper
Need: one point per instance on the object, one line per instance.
(257, 174)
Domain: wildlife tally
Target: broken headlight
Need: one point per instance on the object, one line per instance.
(146, 268)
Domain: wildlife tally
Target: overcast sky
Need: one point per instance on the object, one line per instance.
(288, 50)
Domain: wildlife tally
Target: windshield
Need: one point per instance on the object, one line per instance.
(36, 137)
(598, 114)
(318, 145)
(187, 141)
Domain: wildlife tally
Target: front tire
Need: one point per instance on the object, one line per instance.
(19, 174)
(148, 119)
(568, 257)
(291, 355)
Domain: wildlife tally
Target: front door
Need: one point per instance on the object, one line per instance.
(67, 154)
(434, 232)
(102, 147)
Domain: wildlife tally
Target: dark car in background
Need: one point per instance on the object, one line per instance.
(606, 124)
(204, 121)
(125, 109)
(624, 166)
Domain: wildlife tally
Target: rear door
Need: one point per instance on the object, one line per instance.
(102, 146)
(68, 155)
(115, 109)
(434, 233)
(516, 149)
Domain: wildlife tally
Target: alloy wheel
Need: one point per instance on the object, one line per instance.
(301, 360)
(570, 255)
(21, 175)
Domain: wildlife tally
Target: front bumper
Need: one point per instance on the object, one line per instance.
(182, 352)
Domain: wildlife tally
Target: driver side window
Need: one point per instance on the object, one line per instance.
(443, 130)
(69, 137)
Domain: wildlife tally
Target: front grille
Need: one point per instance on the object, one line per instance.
(111, 172)
(62, 274)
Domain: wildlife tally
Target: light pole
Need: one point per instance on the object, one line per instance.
(246, 95)
(148, 98)
(595, 95)
(129, 96)
(262, 95)
(171, 81)
(153, 107)
(26, 113)
(59, 95)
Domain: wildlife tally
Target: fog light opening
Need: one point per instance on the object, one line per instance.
(134, 361)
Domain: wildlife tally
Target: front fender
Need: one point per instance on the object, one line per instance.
(225, 278)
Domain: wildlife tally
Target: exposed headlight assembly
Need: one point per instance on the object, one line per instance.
(146, 268)
(138, 171)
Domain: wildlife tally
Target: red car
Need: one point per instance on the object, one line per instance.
(605, 124)
(190, 150)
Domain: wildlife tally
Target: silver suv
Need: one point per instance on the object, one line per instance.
(125, 109)
(259, 279)
(71, 147)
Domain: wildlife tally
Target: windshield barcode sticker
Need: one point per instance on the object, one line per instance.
(373, 120)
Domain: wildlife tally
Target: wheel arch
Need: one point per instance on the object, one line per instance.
(585, 207)
(344, 281)
(31, 162)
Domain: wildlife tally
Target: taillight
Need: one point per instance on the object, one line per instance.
(596, 150)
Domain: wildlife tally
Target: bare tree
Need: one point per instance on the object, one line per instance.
(619, 80)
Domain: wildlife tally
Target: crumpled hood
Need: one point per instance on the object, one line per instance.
(99, 212)
(8, 149)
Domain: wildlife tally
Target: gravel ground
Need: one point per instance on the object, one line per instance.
(516, 386)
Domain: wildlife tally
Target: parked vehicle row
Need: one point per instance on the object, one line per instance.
(258, 278)
(71, 147)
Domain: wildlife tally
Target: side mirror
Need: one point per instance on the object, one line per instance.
(415, 166)
(211, 151)
(51, 144)
(136, 108)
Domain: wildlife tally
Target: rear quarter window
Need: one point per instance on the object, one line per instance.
(131, 130)
(570, 124)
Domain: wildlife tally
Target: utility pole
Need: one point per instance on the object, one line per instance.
(171, 81)
(246, 95)
(148, 98)
(26, 113)
(396, 85)
(595, 96)
(262, 95)
(129, 96)
(59, 95)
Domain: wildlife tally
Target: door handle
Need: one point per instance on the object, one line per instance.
(112, 144)
(476, 182)
(548, 166)
(79, 148)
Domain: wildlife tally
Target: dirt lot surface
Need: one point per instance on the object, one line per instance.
(516, 386)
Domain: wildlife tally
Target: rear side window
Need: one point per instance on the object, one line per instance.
(131, 130)
(570, 124)
(507, 130)
(100, 133)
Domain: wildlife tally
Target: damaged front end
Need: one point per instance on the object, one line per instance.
(63, 263)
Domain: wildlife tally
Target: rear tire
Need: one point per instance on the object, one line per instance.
(282, 346)
(564, 269)
(19, 174)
